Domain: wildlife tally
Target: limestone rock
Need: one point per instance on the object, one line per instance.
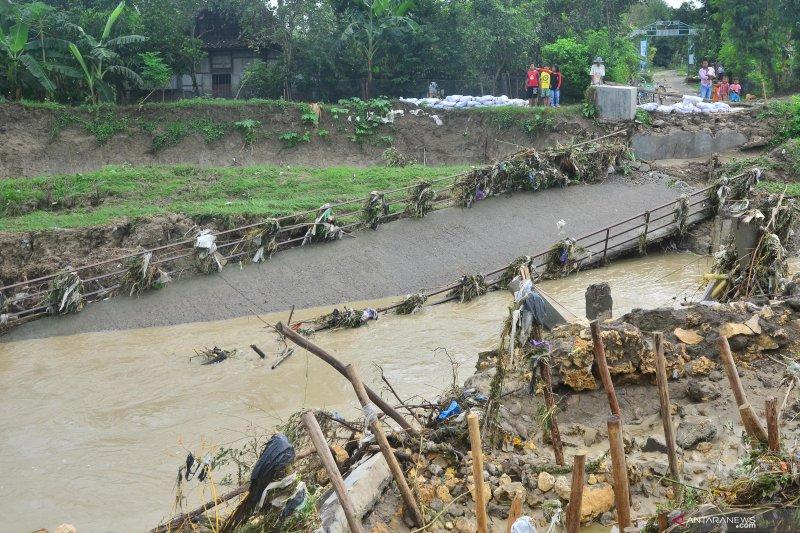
(597, 499)
(562, 487)
(690, 434)
(509, 491)
(655, 444)
(731, 329)
(339, 453)
(688, 336)
(545, 481)
(701, 366)
(65, 528)
(701, 391)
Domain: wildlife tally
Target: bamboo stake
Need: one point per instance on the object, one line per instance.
(514, 512)
(620, 472)
(602, 367)
(339, 367)
(748, 415)
(773, 433)
(550, 402)
(477, 471)
(324, 453)
(663, 395)
(663, 521)
(386, 449)
(576, 494)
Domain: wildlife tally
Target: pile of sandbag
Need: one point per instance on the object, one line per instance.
(458, 101)
(690, 104)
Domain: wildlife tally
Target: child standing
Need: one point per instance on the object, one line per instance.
(556, 82)
(723, 89)
(735, 90)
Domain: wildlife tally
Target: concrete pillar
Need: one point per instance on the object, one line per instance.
(598, 301)
(616, 102)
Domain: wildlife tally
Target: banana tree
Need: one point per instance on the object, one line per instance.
(370, 25)
(100, 58)
(21, 66)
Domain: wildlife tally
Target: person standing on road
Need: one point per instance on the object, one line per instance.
(706, 75)
(557, 78)
(598, 71)
(532, 85)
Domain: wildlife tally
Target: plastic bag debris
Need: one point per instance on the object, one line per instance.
(452, 410)
(523, 524)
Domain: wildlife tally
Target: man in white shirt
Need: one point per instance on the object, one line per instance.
(598, 71)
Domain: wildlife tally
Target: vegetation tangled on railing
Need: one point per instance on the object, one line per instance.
(142, 275)
(420, 199)
(513, 269)
(561, 259)
(65, 294)
(412, 303)
(375, 210)
(470, 287)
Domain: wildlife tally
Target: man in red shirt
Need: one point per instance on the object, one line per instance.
(532, 85)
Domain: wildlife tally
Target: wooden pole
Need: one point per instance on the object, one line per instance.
(663, 521)
(477, 472)
(339, 367)
(514, 512)
(622, 496)
(329, 464)
(576, 494)
(663, 395)
(383, 444)
(602, 368)
(749, 419)
(550, 402)
(773, 434)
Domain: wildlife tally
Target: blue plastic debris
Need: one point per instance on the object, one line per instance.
(452, 410)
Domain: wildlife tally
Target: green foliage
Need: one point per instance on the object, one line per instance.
(172, 135)
(262, 80)
(573, 59)
(291, 138)
(367, 115)
(249, 130)
(323, 133)
(308, 116)
(644, 117)
(210, 131)
(155, 72)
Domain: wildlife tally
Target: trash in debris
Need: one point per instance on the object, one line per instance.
(347, 318)
(324, 227)
(681, 214)
(512, 270)
(561, 260)
(419, 200)
(65, 294)
(452, 410)
(469, 288)
(376, 209)
(412, 303)
(142, 276)
(276, 456)
(213, 355)
(261, 241)
(207, 258)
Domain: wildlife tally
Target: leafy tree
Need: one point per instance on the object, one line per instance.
(102, 59)
(572, 58)
(370, 26)
(155, 73)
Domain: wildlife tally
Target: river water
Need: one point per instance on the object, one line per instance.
(95, 425)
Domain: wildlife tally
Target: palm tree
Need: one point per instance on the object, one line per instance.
(370, 25)
(101, 59)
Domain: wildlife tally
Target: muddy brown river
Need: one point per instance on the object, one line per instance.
(96, 425)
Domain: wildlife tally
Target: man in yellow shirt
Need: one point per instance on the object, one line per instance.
(544, 85)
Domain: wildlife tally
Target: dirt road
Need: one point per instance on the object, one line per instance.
(398, 258)
(673, 82)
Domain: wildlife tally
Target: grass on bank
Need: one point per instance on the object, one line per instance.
(90, 199)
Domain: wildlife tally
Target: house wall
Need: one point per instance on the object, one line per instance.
(220, 62)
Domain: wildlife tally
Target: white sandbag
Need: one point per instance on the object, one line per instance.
(649, 106)
(665, 109)
(452, 97)
(691, 99)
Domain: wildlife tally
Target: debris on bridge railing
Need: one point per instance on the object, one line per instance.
(260, 242)
(375, 210)
(419, 200)
(142, 275)
(207, 258)
(469, 287)
(65, 294)
(682, 214)
(412, 303)
(562, 259)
